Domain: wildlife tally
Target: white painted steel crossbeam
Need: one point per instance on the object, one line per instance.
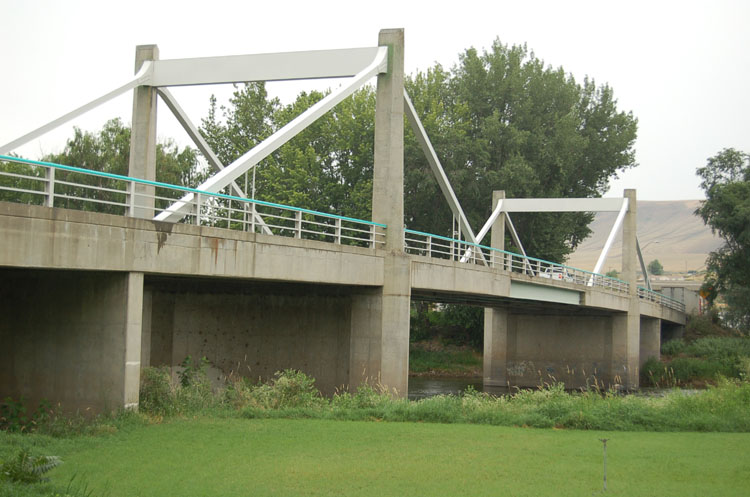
(562, 204)
(284, 66)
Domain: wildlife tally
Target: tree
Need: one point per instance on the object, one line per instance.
(613, 273)
(108, 150)
(726, 183)
(655, 267)
(502, 120)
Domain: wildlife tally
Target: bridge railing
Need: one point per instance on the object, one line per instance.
(661, 299)
(56, 185)
(426, 244)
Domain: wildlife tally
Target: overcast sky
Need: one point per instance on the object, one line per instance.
(681, 67)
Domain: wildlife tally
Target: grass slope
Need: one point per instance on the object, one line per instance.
(228, 457)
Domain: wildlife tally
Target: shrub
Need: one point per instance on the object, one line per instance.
(157, 392)
(25, 468)
(14, 415)
(288, 389)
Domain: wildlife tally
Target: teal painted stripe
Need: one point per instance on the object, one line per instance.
(185, 189)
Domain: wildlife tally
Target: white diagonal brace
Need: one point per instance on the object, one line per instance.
(440, 176)
(143, 77)
(205, 148)
(610, 239)
(517, 241)
(643, 264)
(214, 184)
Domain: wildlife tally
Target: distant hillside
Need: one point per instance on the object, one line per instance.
(683, 240)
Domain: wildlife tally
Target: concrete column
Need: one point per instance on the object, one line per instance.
(388, 173)
(379, 338)
(497, 234)
(496, 342)
(132, 340)
(650, 339)
(379, 350)
(143, 137)
(497, 347)
(626, 327)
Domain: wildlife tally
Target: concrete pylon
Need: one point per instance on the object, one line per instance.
(379, 350)
(626, 327)
(143, 138)
(497, 342)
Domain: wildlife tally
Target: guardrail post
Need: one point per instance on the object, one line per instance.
(197, 209)
(50, 187)
(338, 230)
(131, 198)
(252, 217)
(298, 224)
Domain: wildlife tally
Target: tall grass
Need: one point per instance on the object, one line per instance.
(704, 359)
(292, 394)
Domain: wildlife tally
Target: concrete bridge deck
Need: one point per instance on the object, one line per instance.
(91, 298)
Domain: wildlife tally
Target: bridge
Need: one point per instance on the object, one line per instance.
(106, 274)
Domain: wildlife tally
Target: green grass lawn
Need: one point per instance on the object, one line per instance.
(256, 457)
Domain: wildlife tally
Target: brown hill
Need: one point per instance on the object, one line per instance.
(667, 231)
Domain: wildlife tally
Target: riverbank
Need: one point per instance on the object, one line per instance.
(432, 358)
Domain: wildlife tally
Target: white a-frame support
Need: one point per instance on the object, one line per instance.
(178, 210)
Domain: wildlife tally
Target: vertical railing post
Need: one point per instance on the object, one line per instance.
(252, 217)
(298, 224)
(373, 236)
(50, 186)
(338, 230)
(197, 209)
(131, 198)
(429, 246)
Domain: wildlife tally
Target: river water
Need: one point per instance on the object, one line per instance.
(421, 387)
(424, 386)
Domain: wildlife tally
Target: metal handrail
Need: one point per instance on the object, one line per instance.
(428, 244)
(661, 299)
(208, 208)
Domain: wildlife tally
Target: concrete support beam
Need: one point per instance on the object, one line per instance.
(497, 235)
(143, 137)
(497, 341)
(626, 327)
(388, 173)
(499, 346)
(650, 340)
(379, 351)
(380, 320)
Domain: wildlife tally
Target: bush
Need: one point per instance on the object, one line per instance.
(25, 468)
(288, 389)
(156, 392)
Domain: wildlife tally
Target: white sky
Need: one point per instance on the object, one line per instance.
(681, 67)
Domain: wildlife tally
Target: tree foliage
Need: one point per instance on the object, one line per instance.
(498, 120)
(726, 183)
(654, 267)
(501, 120)
(107, 150)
